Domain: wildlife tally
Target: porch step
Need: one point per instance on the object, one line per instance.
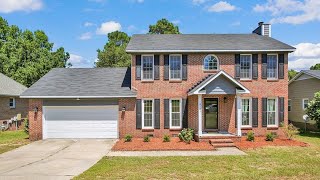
(222, 142)
(219, 145)
(213, 141)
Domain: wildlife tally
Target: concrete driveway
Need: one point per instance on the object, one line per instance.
(53, 159)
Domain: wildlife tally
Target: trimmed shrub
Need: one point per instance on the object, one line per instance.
(128, 138)
(146, 139)
(26, 125)
(270, 136)
(186, 135)
(166, 138)
(250, 136)
(290, 131)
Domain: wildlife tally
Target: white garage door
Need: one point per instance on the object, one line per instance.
(80, 121)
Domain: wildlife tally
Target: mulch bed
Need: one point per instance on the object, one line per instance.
(157, 144)
(261, 142)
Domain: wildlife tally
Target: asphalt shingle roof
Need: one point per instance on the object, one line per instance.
(83, 82)
(314, 73)
(204, 42)
(9, 87)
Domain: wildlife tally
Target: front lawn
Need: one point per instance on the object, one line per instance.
(12, 139)
(261, 163)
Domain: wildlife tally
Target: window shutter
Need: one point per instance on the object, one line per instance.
(237, 66)
(281, 66)
(254, 112)
(264, 66)
(166, 114)
(156, 67)
(184, 67)
(281, 109)
(166, 67)
(264, 112)
(254, 66)
(157, 113)
(138, 67)
(138, 114)
(184, 113)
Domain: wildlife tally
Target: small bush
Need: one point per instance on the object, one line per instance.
(146, 139)
(270, 136)
(290, 131)
(250, 136)
(186, 135)
(128, 138)
(166, 138)
(26, 125)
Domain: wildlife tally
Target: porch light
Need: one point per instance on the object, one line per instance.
(35, 109)
(225, 99)
(123, 109)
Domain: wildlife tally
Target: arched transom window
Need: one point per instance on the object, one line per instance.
(210, 62)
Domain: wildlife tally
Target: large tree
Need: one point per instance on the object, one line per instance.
(292, 73)
(163, 26)
(26, 56)
(315, 67)
(114, 52)
(313, 109)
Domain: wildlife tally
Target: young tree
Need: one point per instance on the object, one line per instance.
(114, 52)
(315, 67)
(292, 73)
(313, 109)
(163, 26)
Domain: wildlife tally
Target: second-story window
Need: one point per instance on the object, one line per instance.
(245, 66)
(147, 67)
(272, 66)
(210, 62)
(175, 63)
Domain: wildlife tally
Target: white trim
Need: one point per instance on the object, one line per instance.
(262, 29)
(289, 105)
(303, 103)
(170, 113)
(277, 70)
(207, 50)
(270, 30)
(13, 103)
(74, 97)
(250, 78)
(142, 79)
(142, 105)
(250, 112)
(44, 133)
(276, 112)
(246, 91)
(200, 115)
(218, 63)
(239, 115)
(180, 67)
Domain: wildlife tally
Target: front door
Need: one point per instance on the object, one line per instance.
(211, 113)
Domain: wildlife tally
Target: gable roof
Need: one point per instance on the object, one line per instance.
(82, 83)
(205, 43)
(202, 84)
(312, 73)
(10, 87)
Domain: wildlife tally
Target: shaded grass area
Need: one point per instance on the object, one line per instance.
(262, 163)
(12, 139)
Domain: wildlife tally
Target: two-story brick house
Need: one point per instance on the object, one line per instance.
(213, 83)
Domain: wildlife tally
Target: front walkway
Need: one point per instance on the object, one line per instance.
(53, 159)
(217, 152)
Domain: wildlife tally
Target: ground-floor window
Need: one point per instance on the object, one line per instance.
(305, 102)
(272, 112)
(175, 113)
(12, 103)
(246, 111)
(147, 108)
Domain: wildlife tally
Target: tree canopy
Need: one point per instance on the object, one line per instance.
(163, 26)
(313, 109)
(292, 73)
(315, 67)
(26, 56)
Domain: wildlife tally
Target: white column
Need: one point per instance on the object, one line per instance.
(239, 115)
(200, 115)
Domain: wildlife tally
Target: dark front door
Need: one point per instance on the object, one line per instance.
(211, 113)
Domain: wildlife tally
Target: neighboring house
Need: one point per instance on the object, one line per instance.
(301, 90)
(10, 102)
(222, 83)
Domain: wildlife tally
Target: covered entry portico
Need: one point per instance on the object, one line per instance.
(218, 104)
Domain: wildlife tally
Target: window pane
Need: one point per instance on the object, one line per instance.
(305, 103)
(272, 66)
(271, 108)
(175, 113)
(289, 105)
(147, 67)
(175, 67)
(245, 111)
(147, 113)
(245, 66)
(210, 63)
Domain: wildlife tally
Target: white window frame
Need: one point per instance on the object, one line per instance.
(289, 105)
(250, 66)
(13, 103)
(143, 127)
(303, 108)
(180, 67)
(218, 63)
(276, 113)
(277, 69)
(250, 112)
(142, 78)
(170, 114)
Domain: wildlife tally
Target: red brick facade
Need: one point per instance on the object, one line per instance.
(35, 119)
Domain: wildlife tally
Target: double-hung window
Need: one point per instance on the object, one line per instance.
(147, 114)
(289, 104)
(175, 67)
(175, 113)
(272, 66)
(246, 112)
(12, 103)
(245, 66)
(305, 102)
(272, 117)
(147, 67)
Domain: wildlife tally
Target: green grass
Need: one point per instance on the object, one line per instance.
(12, 139)
(262, 163)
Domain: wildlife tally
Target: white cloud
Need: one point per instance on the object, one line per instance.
(176, 21)
(198, 2)
(291, 11)
(86, 36)
(88, 24)
(131, 28)
(108, 27)
(305, 56)
(78, 61)
(221, 7)
(8, 6)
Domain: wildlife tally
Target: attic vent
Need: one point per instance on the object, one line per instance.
(263, 29)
